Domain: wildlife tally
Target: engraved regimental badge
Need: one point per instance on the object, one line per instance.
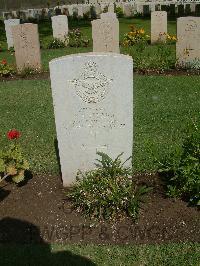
(91, 85)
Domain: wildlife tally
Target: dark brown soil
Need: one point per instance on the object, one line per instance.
(39, 212)
(45, 75)
(38, 76)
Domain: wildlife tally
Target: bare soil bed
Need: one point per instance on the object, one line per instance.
(154, 72)
(38, 212)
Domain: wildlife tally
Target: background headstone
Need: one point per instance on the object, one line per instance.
(27, 46)
(105, 35)
(108, 15)
(60, 27)
(158, 26)
(8, 27)
(93, 106)
(188, 40)
(111, 8)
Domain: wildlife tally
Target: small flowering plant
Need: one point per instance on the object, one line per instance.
(107, 192)
(12, 162)
(76, 39)
(135, 36)
(6, 69)
(167, 38)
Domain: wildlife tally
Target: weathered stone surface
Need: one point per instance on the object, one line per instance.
(60, 27)
(27, 46)
(8, 27)
(105, 35)
(188, 40)
(111, 8)
(158, 26)
(93, 106)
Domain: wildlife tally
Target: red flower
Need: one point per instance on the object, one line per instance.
(13, 134)
(4, 62)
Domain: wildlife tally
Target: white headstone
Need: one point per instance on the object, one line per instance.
(105, 35)
(8, 27)
(27, 46)
(111, 8)
(188, 40)
(60, 27)
(158, 26)
(108, 15)
(98, 9)
(80, 11)
(93, 106)
(128, 10)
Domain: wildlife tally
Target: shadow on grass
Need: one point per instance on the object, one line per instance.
(21, 243)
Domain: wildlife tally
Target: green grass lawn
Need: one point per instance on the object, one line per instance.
(82, 255)
(45, 32)
(163, 108)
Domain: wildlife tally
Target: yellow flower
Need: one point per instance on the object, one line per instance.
(142, 31)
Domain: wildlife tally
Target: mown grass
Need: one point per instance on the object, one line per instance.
(79, 255)
(45, 32)
(163, 109)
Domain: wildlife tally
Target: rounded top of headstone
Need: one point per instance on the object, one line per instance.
(92, 54)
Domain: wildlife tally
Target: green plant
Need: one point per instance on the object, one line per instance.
(76, 39)
(194, 65)
(108, 191)
(56, 44)
(93, 12)
(119, 12)
(12, 162)
(5, 69)
(182, 169)
(162, 59)
(28, 71)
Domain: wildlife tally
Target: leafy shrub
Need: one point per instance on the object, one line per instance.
(76, 39)
(75, 14)
(119, 12)
(171, 39)
(56, 44)
(12, 162)
(182, 169)
(163, 58)
(28, 71)
(192, 65)
(5, 69)
(135, 36)
(108, 191)
(1, 49)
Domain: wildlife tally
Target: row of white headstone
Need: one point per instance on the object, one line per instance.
(128, 8)
(93, 93)
(105, 35)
